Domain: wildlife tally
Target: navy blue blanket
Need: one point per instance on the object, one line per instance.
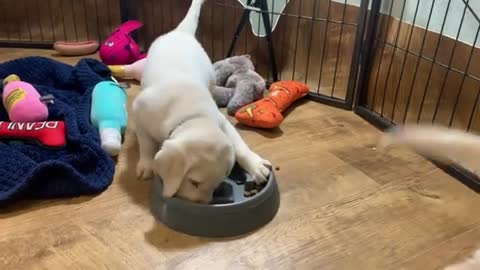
(82, 167)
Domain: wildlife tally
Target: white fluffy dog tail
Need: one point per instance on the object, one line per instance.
(439, 143)
(189, 24)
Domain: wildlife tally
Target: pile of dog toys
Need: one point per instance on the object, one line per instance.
(28, 113)
(239, 87)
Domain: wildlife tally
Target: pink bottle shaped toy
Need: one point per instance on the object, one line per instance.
(22, 101)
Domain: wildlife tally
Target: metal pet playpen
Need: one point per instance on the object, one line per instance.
(390, 61)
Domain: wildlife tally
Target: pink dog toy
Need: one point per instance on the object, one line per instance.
(22, 101)
(120, 48)
(132, 71)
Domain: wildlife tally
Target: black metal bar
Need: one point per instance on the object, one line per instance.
(268, 28)
(434, 61)
(310, 41)
(328, 100)
(397, 89)
(282, 51)
(238, 31)
(257, 48)
(457, 98)
(475, 15)
(382, 54)
(317, 19)
(393, 57)
(417, 65)
(338, 49)
(271, 21)
(295, 50)
(363, 52)
(474, 110)
(437, 46)
(324, 48)
(373, 118)
(444, 83)
(262, 5)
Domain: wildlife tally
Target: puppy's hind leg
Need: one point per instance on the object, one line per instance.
(256, 166)
(147, 148)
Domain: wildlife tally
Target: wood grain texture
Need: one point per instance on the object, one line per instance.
(344, 205)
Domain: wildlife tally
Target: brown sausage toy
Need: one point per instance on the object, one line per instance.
(68, 48)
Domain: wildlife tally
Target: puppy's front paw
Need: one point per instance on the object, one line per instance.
(144, 169)
(259, 168)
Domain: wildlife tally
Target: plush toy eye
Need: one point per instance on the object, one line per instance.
(194, 183)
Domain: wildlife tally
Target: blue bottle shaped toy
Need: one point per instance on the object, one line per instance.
(109, 114)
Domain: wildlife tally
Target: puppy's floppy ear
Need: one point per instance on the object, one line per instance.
(170, 165)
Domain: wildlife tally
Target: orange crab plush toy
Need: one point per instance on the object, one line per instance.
(267, 112)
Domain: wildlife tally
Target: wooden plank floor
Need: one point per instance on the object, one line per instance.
(344, 206)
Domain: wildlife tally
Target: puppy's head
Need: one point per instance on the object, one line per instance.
(192, 167)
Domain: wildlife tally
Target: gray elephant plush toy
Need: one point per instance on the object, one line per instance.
(237, 83)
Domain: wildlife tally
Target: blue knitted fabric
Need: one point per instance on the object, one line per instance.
(82, 167)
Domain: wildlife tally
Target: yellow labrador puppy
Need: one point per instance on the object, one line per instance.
(439, 143)
(182, 135)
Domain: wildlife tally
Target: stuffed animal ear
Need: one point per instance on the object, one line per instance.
(170, 165)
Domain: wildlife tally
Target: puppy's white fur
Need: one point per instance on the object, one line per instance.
(472, 263)
(439, 143)
(182, 135)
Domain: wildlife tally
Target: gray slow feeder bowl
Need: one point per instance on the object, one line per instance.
(230, 213)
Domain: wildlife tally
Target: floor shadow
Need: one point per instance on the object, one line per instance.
(292, 107)
(267, 133)
(164, 238)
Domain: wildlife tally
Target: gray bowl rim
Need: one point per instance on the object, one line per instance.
(257, 199)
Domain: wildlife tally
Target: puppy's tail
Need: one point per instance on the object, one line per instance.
(190, 22)
(438, 143)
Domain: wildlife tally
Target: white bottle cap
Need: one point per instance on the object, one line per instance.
(111, 140)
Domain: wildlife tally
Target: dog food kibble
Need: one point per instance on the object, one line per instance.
(277, 168)
(250, 185)
(252, 188)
